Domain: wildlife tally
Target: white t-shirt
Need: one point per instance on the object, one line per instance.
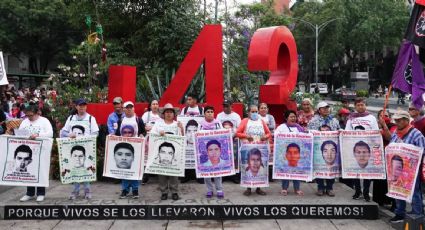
(283, 128)
(41, 126)
(160, 126)
(368, 123)
(191, 111)
(233, 117)
(129, 121)
(81, 126)
(150, 118)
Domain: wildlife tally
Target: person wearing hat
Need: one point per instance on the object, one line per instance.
(406, 133)
(163, 127)
(90, 127)
(342, 117)
(115, 118)
(324, 118)
(306, 113)
(131, 126)
(227, 115)
(361, 119)
(418, 119)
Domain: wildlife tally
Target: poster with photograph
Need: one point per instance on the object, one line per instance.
(79, 128)
(236, 156)
(214, 153)
(166, 155)
(293, 156)
(124, 157)
(402, 163)
(77, 159)
(25, 162)
(362, 154)
(254, 165)
(326, 155)
(190, 126)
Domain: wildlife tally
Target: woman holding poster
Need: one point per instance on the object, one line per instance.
(253, 130)
(37, 126)
(214, 152)
(162, 127)
(290, 126)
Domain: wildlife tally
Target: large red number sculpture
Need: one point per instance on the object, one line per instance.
(271, 49)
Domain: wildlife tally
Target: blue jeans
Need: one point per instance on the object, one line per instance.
(77, 187)
(126, 184)
(285, 184)
(321, 184)
(217, 181)
(417, 207)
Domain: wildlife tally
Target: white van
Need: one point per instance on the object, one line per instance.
(323, 88)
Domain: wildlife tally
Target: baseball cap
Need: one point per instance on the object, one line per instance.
(322, 104)
(127, 103)
(117, 100)
(227, 102)
(344, 111)
(401, 114)
(81, 101)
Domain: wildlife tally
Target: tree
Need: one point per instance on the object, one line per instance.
(38, 29)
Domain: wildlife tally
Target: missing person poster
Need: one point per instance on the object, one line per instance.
(166, 155)
(362, 154)
(190, 126)
(254, 165)
(293, 155)
(402, 163)
(77, 159)
(214, 153)
(124, 157)
(25, 162)
(326, 155)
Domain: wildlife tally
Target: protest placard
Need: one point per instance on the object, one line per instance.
(254, 164)
(191, 126)
(326, 154)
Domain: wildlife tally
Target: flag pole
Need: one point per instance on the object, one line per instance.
(387, 97)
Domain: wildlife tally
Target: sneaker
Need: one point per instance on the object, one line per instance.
(40, 198)
(26, 198)
(124, 194)
(397, 219)
(175, 196)
(145, 179)
(135, 194)
(320, 193)
(357, 195)
(73, 196)
(164, 196)
(209, 194)
(220, 194)
(330, 193)
(366, 197)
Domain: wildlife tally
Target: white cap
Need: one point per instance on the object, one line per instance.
(127, 103)
(322, 104)
(401, 114)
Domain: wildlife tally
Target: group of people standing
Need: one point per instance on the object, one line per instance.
(407, 127)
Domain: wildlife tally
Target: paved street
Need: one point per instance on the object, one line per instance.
(376, 104)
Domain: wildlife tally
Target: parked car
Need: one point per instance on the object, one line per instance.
(344, 93)
(323, 88)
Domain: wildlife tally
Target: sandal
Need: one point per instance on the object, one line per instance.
(299, 192)
(247, 192)
(284, 192)
(260, 192)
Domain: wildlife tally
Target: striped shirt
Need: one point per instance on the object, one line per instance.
(414, 137)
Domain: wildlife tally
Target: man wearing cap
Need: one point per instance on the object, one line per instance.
(342, 117)
(115, 118)
(323, 118)
(229, 115)
(163, 127)
(406, 133)
(418, 120)
(89, 124)
(131, 126)
(361, 119)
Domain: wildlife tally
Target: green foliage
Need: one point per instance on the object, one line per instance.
(362, 93)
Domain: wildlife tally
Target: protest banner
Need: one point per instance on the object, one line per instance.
(254, 164)
(293, 155)
(77, 159)
(326, 154)
(402, 164)
(3, 76)
(166, 155)
(214, 153)
(124, 157)
(25, 162)
(236, 156)
(190, 125)
(362, 154)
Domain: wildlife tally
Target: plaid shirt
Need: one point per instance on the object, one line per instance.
(414, 137)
